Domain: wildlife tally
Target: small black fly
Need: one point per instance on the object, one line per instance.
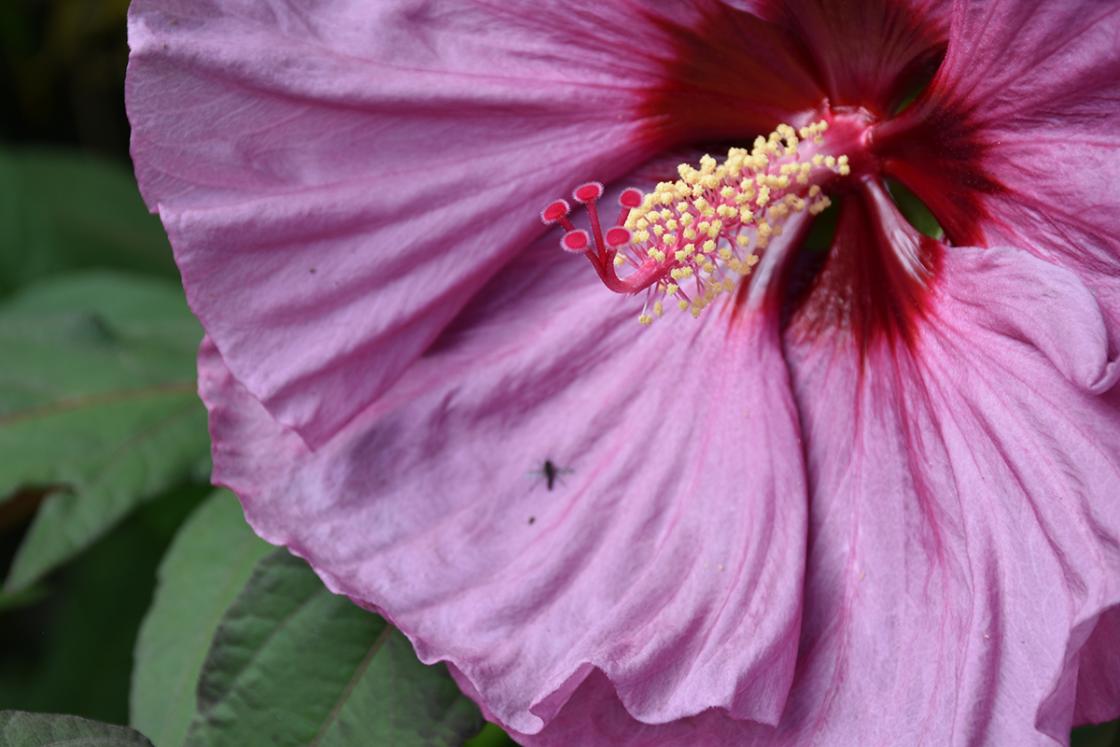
(551, 472)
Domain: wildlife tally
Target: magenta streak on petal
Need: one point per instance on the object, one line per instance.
(876, 279)
(1018, 137)
(866, 54)
(728, 75)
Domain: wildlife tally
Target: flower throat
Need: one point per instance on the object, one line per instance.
(691, 240)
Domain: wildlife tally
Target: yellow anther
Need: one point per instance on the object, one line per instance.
(645, 319)
(619, 260)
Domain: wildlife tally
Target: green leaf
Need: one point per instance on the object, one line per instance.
(65, 210)
(491, 736)
(97, 404)
(914, 210)
(293, 664)
(21, 729)
(212, 558)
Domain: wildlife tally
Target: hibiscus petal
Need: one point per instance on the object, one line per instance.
(667, 554)
(336, 183)
(958, 490)
(1018, 137)
(964, 548)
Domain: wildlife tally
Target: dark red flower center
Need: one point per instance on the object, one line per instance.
(733, 75)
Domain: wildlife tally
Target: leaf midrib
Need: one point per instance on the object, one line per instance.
(344, 696)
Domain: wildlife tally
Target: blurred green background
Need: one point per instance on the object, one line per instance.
(104, 444)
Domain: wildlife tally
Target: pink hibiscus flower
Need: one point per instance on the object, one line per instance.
(869, 496)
